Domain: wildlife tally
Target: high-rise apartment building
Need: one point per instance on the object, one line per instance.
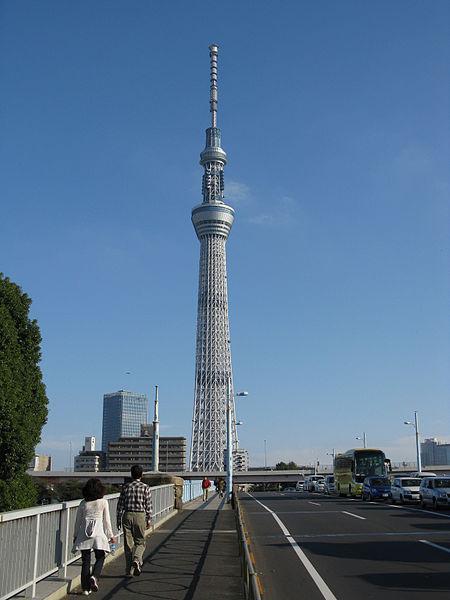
(434, 452)
(212, 220)
(240, 460)
(127, 451)
(123, 414)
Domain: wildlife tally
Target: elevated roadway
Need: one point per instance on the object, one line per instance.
(240, 477)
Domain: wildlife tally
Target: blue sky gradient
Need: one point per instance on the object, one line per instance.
(334, 116)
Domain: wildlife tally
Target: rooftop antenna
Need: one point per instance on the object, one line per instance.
(213, 53)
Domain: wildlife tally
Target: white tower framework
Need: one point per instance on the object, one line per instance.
(212, 220)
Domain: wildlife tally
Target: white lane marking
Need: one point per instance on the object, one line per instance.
(419, 510)
(320, 583)
(315, 503)
(296, 512)
(435, 546)
(352, 515)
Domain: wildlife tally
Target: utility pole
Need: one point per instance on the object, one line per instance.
(155, 456)
(419, 458)
(229, 445)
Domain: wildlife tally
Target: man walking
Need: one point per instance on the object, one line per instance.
(134, 514)
(206, 484)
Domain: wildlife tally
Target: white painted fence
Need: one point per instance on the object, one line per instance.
(36, 542)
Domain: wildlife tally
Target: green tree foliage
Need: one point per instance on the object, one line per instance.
(290, 466)
(23, 401)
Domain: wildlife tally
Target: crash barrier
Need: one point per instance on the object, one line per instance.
(36, 542)
(248, 572)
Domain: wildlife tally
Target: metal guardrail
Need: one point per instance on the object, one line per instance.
(250, 576)
(38, 540)
(191, 490)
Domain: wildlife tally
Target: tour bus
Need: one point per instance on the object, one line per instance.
(351, 467)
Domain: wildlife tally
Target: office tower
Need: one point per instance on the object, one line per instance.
(212, 220)
(123, 414)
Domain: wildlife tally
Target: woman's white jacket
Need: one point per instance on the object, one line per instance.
(93, 526)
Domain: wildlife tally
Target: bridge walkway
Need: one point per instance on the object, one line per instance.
(193, 556)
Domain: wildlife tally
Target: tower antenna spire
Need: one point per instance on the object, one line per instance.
(213, 53)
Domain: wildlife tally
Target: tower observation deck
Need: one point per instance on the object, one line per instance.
(212, 220)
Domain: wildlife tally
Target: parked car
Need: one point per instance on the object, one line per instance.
(329, 484)
(376, 488)
(311, 482)
(299, 486)
(289, 489)
(435, 491)
(405, 489)
(320, 485)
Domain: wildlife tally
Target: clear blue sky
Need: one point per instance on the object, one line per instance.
(335, 119)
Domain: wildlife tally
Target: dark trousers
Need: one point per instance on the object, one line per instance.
(86, 567)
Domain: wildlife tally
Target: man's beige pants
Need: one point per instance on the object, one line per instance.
(133, 524)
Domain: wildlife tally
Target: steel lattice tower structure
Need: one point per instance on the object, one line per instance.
(212, 220)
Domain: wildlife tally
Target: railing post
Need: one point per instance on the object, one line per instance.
(66, 541)
(36, 554)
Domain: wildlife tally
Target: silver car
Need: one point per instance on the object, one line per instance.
(405, 489)
(435, 491)
(329, 485)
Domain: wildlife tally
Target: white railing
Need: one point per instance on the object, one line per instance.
(192, 490)
(36, 542)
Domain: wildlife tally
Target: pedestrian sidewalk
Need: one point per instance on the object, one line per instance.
(193, 556)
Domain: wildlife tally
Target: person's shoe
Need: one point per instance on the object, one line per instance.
(94, 584)
(86, 592)
(136, 567)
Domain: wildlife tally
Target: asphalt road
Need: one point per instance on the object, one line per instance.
(314, 547)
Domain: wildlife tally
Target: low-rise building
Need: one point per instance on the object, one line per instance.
(40, 462)
(89, 459)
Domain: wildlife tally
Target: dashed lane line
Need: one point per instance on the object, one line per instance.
(353, 515)
(313, 513)
(320, 583)
(390, 534)
(315, 503)
(435, 546)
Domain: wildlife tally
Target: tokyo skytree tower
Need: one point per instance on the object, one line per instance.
(212, 220)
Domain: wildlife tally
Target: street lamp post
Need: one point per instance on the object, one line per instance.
(229, 441)
(363, 438)
(416, 428)
(265, 455)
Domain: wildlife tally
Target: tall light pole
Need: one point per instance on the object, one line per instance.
(416, 428)
(155, 455)
(265, 455)
(229, 460)
(363, 438)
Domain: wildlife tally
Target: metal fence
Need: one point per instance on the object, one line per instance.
(192, 490)
(248, 572)
(38, 540)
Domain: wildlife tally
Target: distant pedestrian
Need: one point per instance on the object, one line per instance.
(206, 484)
(134, 514)
(92, 531)
(221, 487)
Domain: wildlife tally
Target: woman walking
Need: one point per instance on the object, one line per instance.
(92, 531)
